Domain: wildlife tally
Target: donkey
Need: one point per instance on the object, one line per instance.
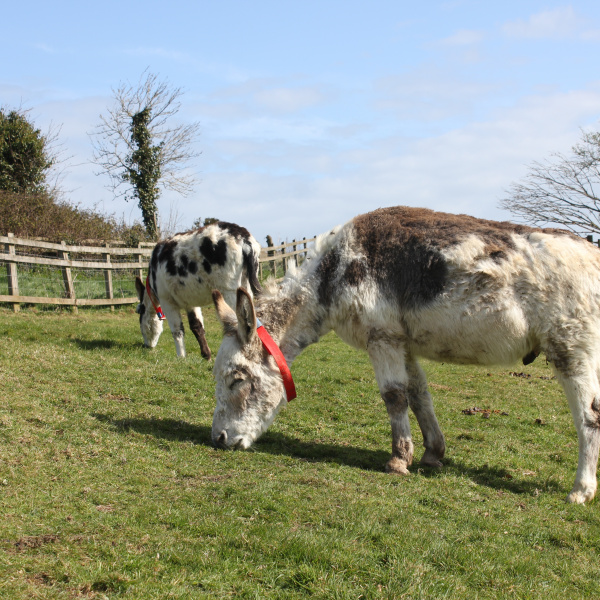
(403, 283)
(183, 271)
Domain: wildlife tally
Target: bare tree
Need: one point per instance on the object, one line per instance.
(140, 151)
(563, 190)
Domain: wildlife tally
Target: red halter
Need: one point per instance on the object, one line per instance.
(273, 349)
(160, 314)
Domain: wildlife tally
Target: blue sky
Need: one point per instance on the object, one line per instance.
(312, 112)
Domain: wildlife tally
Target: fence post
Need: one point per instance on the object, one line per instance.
(272, 264)
(294, 247)
(108, 278)
(138, 257)
(11, 271)
(67, 275)
(284, 260)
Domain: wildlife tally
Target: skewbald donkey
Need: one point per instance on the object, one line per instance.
(182, 273)
(402, 283)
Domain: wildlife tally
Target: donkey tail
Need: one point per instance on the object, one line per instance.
(251, 266)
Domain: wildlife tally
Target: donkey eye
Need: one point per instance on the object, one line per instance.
(237, 382)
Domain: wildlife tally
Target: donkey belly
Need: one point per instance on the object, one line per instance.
(488, 335)
(186, 294)
(444, 332)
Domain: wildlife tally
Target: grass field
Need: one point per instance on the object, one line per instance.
(109, 487)
(47, 282)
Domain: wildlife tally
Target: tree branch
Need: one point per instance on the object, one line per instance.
(561, 191)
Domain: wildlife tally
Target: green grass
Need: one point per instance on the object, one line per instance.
(47, 282)
(109, 487)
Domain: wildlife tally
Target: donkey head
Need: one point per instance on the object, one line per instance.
(150, 325)
(249, 387)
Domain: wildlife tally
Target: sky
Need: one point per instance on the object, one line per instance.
(314, 111)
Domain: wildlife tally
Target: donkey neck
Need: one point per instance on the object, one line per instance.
(293, 316)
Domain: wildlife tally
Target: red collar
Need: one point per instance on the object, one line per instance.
(273, 349)
(160, 314)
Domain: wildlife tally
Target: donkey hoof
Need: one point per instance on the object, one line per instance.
(397, 465)
(430, 459)
(580, 496)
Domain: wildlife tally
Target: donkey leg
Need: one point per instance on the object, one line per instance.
(583, 394)
(176, 325)
(392, 379)
(396, 403)
(419, 400)
(197, 327)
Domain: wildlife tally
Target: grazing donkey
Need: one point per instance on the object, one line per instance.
(183, 271)
(407, 282)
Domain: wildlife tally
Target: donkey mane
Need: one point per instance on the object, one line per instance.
(297, 275)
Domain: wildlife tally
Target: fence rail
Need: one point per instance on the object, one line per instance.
(80, 275)
(274, 260)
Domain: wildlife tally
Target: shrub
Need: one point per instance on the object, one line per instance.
(40, 215)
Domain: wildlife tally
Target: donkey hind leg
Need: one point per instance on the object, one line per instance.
(176, 325)
(583, 393)
(197, 328)
(419, 400)
(392, 379)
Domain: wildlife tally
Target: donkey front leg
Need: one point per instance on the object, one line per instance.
(176, 326)
(392, 379)
(197, 327)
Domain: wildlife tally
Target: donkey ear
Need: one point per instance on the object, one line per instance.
(226, 314)
(246, 316)
(140, 287)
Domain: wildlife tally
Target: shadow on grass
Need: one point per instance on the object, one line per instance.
(168, 429)
(279, 444)
(500, 479)
(105, 344)
(276, 444)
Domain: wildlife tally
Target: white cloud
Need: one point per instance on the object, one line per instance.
(288, 99)
(46, 48)
(557, 23)
(429, 94)
(464, 37)
(259, 128)
(269, 95)
(593, 35)
(465, 170)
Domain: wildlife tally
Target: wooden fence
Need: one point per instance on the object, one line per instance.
(274, 260)
(64, 268)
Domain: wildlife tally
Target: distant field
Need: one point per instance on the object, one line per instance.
(47, 282)
(109, 487)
